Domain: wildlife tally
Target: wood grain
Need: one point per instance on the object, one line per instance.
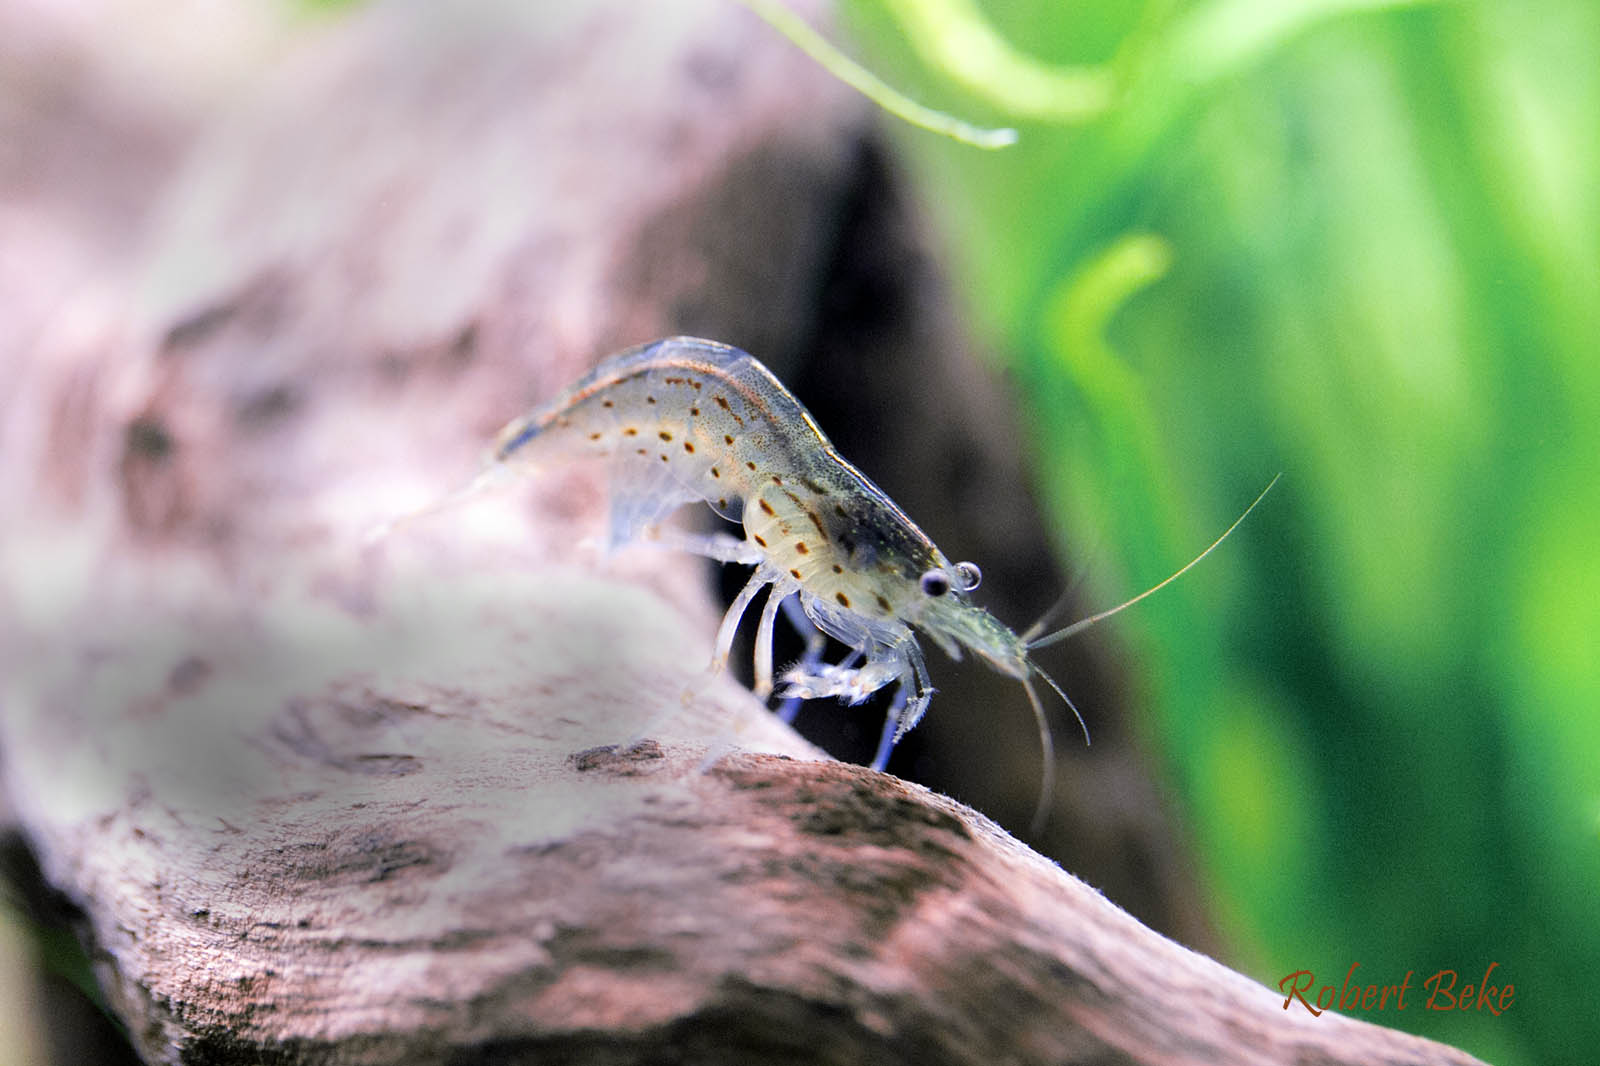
(324, 801)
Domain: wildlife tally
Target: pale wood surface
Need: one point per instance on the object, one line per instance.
(321, 801)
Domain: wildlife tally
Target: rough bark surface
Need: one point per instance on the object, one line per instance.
(320, 800)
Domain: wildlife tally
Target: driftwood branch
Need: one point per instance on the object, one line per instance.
(324, 801)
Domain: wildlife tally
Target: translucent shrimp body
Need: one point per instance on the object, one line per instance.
(685, 419)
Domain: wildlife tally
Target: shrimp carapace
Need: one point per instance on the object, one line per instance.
(685, 419)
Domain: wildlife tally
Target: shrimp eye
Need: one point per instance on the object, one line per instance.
(969, 575)
(935, 583)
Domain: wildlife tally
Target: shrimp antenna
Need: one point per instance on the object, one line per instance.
(1061, 601)
(1047, 780)
(491, 476)
(1078, 626)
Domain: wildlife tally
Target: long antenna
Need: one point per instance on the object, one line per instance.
(488, 478)
(1047, 779)
(1066, 595)
(1079, 626)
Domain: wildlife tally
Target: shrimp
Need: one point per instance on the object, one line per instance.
(685, 419)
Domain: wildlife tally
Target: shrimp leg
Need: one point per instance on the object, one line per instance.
(730, 621)
(903, 712)
(922, 688)
(720, 547)
(815, 640)
(781, 591)
(887, 739)
(719, 659)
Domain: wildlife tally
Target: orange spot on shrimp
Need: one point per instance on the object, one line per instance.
(838, 569)
(715, 472)
(607, 403)
(649, 399)
(759, 539)
(688, 447)
(844, 601)
(631, 431)
(722, 402)
(800, 546)
(722, 502)
(727, 438)
(776, 480)
(794, 573)
(883, 604)
(664, 435)
(596, 436)
(766, 508)
(750, 464)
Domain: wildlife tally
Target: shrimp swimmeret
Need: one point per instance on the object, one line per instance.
(684, 419)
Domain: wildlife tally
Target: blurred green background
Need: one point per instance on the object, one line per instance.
(1358, 243)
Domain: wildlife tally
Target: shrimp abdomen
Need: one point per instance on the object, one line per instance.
(676, 417)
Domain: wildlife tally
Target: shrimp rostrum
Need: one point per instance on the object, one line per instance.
(684, 419)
